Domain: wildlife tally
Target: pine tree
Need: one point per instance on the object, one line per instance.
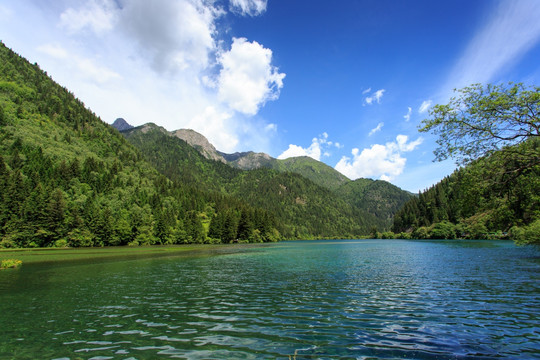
(55, 216)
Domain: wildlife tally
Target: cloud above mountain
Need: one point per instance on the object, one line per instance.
(319, 147)
(384, 162)
(248, 79)
(172, 62)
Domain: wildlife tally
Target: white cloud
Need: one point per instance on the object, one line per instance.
(425, 106)
(376, 129)
(53, 50)
(367, 91)
(175, 35)
(383, 162)
(84, 68)
(98, 73)
(511, 31)
(407, 116)
(270, 128)
(97, 15)
(377, 96)
(249, 7)
(405, 146)
(315, 150)
(152, 61)
(248, 79)
(213, 124)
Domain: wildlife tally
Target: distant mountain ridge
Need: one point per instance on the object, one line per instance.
(378, 198)
(310, 168)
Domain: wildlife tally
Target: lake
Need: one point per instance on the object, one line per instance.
(381, 299)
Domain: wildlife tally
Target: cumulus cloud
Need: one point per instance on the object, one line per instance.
(83, 67)
(213, 122)
(178, 35)
(248, 7)
(97, 15)
(248, 79)
(407, 116)
(376, 129)
(315, 150)
(383, 162)
(425, 106)
(376, 97)
(95, 72)
(166, 61)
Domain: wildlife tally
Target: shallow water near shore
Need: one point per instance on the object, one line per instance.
(388, 299)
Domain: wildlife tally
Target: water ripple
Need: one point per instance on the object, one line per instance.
(326, 300)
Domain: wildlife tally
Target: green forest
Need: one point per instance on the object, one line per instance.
(302, 208)
(482, 200)
(495, 137)
(69, 179)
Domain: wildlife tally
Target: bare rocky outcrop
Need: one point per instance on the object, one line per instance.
(200, 143)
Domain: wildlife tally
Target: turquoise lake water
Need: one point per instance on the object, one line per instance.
(362, 299)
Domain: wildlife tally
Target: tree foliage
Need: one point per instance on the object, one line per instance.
(493, 130)
(483, 119)
(485, 199)
(68, 179)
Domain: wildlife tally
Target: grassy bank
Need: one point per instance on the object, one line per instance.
(42, 255)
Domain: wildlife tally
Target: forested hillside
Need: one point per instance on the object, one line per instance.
(68, 179)
(302, 208)
(373, 199)
(477, 202)
(495, 135)
(377, 197)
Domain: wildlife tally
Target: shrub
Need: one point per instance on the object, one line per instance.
(10, 263)
(526, 235)
(443, 230)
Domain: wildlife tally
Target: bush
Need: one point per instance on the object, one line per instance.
(526, 235)
(388, 235)
(421, 233)
(442, 230)
(10, 263)
(404, 236)
(62, 243)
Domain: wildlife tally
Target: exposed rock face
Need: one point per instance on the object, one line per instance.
(200, 143)
(249, 160)
(121, 125)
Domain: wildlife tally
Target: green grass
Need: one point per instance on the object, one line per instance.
(41, 255)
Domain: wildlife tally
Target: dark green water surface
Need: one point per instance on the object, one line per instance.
(319, 300)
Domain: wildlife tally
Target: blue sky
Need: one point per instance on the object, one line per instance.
(345, 82)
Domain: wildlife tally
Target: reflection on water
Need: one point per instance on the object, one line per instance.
(349, 299)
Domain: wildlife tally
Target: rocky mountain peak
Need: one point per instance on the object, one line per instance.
(121, 125)
(200, 143)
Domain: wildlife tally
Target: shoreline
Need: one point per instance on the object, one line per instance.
(30, 256)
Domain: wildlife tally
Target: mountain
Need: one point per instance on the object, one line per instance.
(249, 160)
(377, 199)
(121, 125)
(316, 171)
(69, 179)
(302, 208)
(200, 143)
